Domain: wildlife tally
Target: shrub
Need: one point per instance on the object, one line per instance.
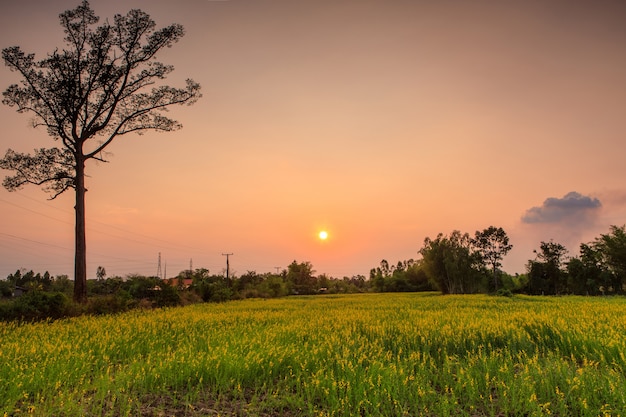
(107, 304)
(504, 292)
(36, 305)
(167, 296)
(6, 289)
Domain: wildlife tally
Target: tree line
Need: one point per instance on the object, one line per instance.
(26, 295)
(456, 263)
(462, 264)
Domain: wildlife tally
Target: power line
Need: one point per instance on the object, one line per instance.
(33, 211)
(34, 241)
(91, 229)
(66, 248)
(148, 241)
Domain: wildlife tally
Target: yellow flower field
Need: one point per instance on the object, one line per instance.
(367, 354)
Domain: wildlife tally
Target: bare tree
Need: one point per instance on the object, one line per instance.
(105, 83)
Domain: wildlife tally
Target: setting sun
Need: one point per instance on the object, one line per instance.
(323, 235)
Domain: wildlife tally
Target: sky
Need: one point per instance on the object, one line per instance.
(381, 122)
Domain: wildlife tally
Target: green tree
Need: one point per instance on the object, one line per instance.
(493, 245)
(103, 84)
(612, 247)
(451, 264)
(62, 284)
(546, 273)
(15, 278)
(385, 268)
(417, 278)
(273, 286)
(377, 279)
(247, 281)
(586, 274)
(6, 289)
(301, 277)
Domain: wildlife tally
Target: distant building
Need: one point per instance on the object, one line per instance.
(19, 291)
(183, 283)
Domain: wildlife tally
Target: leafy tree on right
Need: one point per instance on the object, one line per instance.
(612, 246)
(601, 266)
(546, 274)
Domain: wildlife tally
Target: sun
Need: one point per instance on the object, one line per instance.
(323, 235)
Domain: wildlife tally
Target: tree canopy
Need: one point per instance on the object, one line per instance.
(493, 245)
(452, 263)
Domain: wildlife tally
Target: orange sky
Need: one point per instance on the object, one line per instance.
(383, 122)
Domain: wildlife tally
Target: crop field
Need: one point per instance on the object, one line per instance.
(367, 354)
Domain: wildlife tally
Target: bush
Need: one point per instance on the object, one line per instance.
(504, 292)
(36, 305)
(108, 304)
(167, 296)
(6, 289)
(215, 292)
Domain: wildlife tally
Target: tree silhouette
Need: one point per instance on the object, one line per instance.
(493, 245)
(105, 83)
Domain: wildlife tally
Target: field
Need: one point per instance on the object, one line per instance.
(368, 354)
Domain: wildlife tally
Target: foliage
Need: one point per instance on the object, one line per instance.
(109, 303)
(493, 245)
(214, 289)
(300, 276)
(104, 83)
(346, 355)
(546, 273)
(452, 264)
(586, 274)
(271, 287)
(36, 305)
(6, 289)
(118, 294)
(405, 276)
(504, 292)
(134, 290)
(30, 280)
(612, 247)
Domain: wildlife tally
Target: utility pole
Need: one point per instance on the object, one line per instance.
(277, 268)
(227, 263)
(159, 267)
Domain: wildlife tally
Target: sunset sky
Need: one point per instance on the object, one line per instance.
(382, 122)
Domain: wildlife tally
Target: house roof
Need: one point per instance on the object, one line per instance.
(174, 282)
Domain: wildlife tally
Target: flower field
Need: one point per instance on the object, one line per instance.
(366, 354)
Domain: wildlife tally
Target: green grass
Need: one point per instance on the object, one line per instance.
(368, 354)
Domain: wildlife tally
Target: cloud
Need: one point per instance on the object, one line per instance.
(572, 208)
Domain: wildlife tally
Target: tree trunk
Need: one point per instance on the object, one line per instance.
(495, 278)
(80, 256)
